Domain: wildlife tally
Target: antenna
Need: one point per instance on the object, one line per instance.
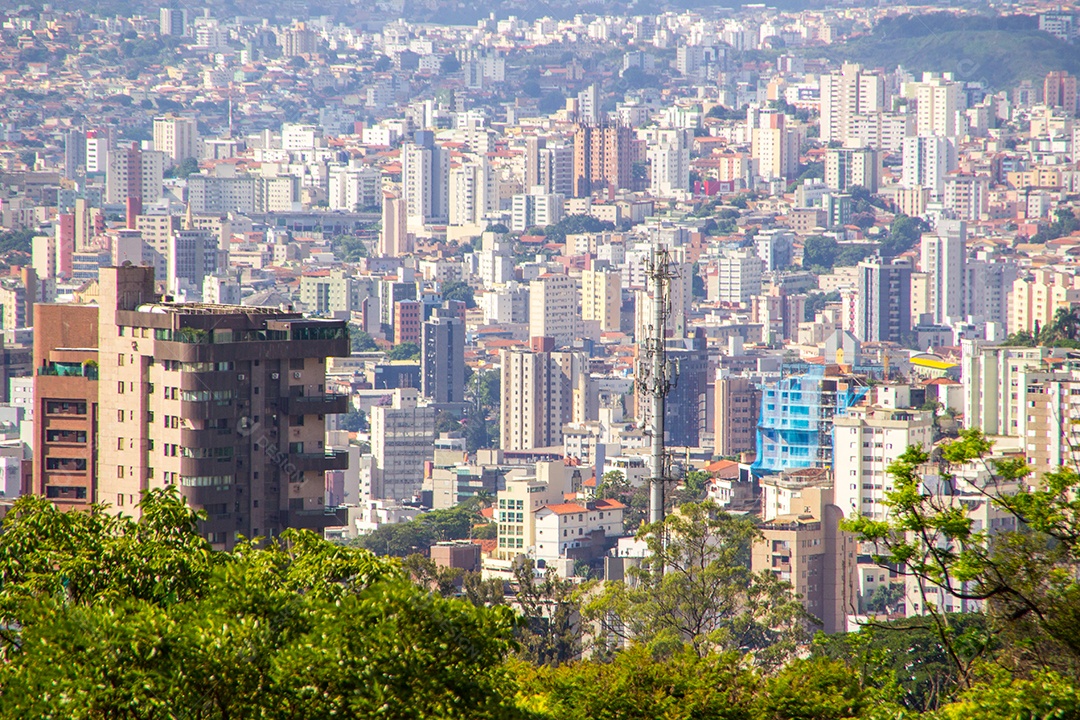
(655, 376)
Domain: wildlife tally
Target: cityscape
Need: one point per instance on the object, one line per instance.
(628, 360)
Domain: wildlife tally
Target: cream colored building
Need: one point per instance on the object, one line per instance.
(601, 298)
(554, 308)
(1035, 299)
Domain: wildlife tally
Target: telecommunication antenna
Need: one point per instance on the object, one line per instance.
(655, 375)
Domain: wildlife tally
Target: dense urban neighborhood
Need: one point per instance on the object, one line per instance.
(421, 360)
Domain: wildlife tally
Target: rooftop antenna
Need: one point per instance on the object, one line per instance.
(655, 374)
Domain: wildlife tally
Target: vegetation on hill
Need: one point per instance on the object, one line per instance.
(1000, 51)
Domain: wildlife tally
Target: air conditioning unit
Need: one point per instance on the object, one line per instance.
(241, 377)
(275, 376)
(296, 375)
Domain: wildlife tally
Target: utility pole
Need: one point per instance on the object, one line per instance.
(654, 375)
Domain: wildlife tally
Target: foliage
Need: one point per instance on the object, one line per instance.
(144, 620)
(574, 224)
(815, 303)
(18, 240)
(997, 50)
(404, 351)
(1064, 224)
(457, 290)
(695, 590)
(1045, 694)
(906, 660)
(816, 689)
(188, 166)
(549, 605)
(824, 253)
(904, 234)
(361, 341)
(638, 686)
(1063, 332)
(407, 538)
(354, 421)
(1026, 578)
(350, 248)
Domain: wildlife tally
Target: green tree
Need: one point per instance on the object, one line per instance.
(106, 616)
(404, 351)
(457, 290)
(820, 252)
(361, 341)
(695, 590)
(1026, 578)
(550, 607)
(815, 689)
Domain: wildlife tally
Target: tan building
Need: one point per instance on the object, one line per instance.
(65, 404)
(177, 137)
(602, 159)
(601, 298)
(541, 392)
(808, 549)
(1035, 299)
(736, 405)
(227, 403)
(554, 308)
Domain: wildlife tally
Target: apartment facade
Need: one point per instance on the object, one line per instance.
(226, 403)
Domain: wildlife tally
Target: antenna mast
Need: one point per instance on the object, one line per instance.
(654, 374)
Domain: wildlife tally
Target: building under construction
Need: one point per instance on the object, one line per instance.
(796, 422)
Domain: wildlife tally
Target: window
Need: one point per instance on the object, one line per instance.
(119, 416)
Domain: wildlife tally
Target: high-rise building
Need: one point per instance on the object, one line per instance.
(191, 256)
(442, 358)
(177, 137)
(173, 22)
(134, 173)
(844, 94)
(738, 276)
(588, 103)
(97, 151)
(808, 549)
(927, 161)
(987, 286)
(736, 406)
(542, 391)
(216, 195)
(883, 307)
(425, 179)
(774, 143)
(601, 298)
(554, 310)
(846, 167)
(354, 189)
(226, 403)
(866, 440)
(549, 166)
(394, 237)
(796, 423)
(1059, 90)
(1036, 297)
(937, 99)
(330, 293)
(669, 163)
(966, 196)
(602, 158)
(474, 193)
(535, 209)
(402, 440)
(943, 258)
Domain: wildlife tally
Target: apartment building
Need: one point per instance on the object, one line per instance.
(542, 391)
(736, 406)
(402, 437)
(554, 308)
(226, 403)
(601, 298)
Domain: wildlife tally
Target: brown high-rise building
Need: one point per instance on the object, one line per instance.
(226, 402)
(1059, 90)
(602, 158)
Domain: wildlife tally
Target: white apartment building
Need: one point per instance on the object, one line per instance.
(866, 440)
(555, 308)
(737, 277)
(943, 259)
(850, 92)
(402, 437)
(176, 137)
(353, 189)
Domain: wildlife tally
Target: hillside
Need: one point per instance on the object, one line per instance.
(998, 51)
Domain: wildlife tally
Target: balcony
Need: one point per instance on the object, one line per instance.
(328, 404)
(312, 519)
(304, 462)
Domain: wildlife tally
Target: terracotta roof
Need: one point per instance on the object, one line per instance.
(564, 508)
(609, 504)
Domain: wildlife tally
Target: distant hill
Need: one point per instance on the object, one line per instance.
(1001, 51)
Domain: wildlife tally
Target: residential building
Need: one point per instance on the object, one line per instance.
(850, 92)
(943, 258)
(737, 278)
(134, 173)
(601, 158)
(736, 407)
(442, 358)
(848, 167)
(883, 305)
(542, 390)
(226, 403)
(402, 437)
(601, 298)
(176, 137)
(554, 308)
